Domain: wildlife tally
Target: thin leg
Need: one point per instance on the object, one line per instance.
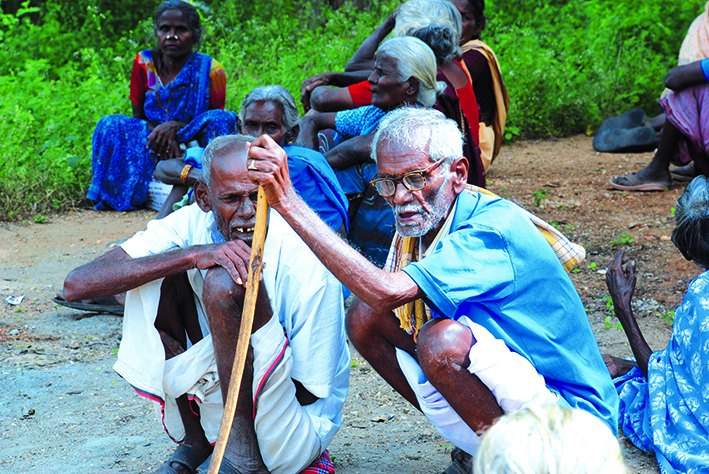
(443, 349)
(658, 170)
(176, 321)
(223, 301)
(376, 337)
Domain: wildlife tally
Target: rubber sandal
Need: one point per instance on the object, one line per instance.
(684, 173)
(102, 304)
(190, 457)
(619, 140)
(462, 462)
(637, 185)
(630, 119)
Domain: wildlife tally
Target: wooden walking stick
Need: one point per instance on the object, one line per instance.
(247, 320)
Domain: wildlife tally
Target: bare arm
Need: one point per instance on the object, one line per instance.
(116, 272)
(351, 152)
(363, 59)
(169, 172)
(621, 285)
(310, 125)
(381, 290)
(318, 81)
(681, 77)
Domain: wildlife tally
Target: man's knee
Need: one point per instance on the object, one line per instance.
(360, 321)
(220, 288)
(442, 344)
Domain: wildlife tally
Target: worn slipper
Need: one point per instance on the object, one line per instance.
(630, 119)
(636, 184)
(462, 462)
(103, 304)
(683, 173)
(626, 140)
(187, 455)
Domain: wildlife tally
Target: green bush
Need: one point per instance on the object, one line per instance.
(66, 63)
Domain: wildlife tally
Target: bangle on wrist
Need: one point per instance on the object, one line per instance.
(185, 172)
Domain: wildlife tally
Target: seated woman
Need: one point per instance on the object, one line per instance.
(663, 395)
(177, 96)
(404, 75)
(489, 87)
(683, 137)
(438, 24)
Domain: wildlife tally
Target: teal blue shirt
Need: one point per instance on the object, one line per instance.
(496, 268)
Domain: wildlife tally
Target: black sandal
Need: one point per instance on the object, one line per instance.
(187, 455)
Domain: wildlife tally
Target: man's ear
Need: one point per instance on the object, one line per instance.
(201, 195)
(460, 169)
(412, 88)
(291, 135)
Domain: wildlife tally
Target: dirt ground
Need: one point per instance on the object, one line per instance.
(65, 410)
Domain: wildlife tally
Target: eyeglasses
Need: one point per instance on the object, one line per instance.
(413, 180)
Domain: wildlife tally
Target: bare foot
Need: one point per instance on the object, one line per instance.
(617, 366)
(647, 179)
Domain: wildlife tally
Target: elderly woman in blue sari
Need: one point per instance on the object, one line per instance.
(177, 97)
(664, 395)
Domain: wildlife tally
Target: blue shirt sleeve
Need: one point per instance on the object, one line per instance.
(360, 121)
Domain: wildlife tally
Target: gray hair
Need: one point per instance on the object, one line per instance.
(421, 128)
(550, 439)
(414, 58)
(280, 97)
(691, 232)
(216, 147)
(436, 22)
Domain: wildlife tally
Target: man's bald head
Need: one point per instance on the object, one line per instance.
(234, 145)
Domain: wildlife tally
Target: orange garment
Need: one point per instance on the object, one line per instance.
(491, 137)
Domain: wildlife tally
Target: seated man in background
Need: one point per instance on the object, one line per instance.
(504, 325)
(664, 403)
(185, 278)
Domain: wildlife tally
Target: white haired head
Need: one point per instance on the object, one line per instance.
(414, 59)
(436, 22)
(549, 439)
(420, 129)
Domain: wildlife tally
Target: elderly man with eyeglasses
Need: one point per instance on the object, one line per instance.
(473, 315)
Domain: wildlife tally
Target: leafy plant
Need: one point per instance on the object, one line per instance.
(609, 304)
(539, 196)
(591, 266)
(668, 316)
(624, 238)
(609, 324)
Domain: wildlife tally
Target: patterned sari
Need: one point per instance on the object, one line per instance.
(668, 413)
(121, 162)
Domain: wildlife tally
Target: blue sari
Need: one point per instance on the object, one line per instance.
(668, 414)
(121, 162)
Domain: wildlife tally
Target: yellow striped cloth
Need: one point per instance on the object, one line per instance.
(405, 250)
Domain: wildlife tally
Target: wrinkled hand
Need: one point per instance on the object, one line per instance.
(163, 140)
(308, 85)
(233, 255)
(621, 280)
(271, 171)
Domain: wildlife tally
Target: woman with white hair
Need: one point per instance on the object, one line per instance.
(404, 75)
(664, 403)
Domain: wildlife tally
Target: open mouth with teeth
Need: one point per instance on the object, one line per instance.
(244, 230)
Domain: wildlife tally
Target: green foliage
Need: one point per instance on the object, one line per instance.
(609, 304)
(668, 316)
(624, 238)
(539, 196)
(609, 324)
(569, 65)
(66, 63)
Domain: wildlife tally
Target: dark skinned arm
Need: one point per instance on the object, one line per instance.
(681, 77)
(351, 152)
(169, 172)
(330, 99)
(116, 272)
(381, 290)
(363, 59)
(310, 125)
(621, 280)
(319, 82)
